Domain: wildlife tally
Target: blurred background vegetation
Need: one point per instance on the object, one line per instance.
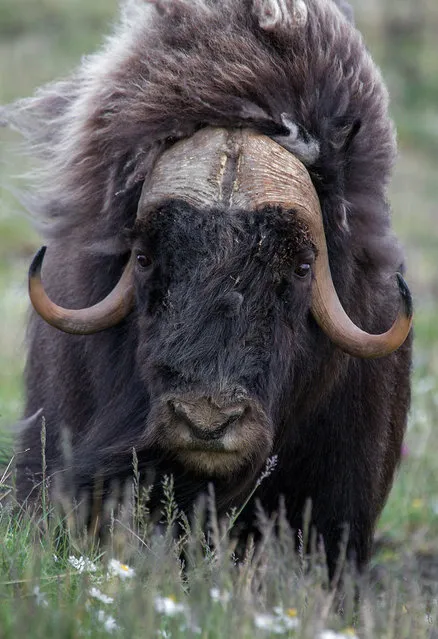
(41, 40)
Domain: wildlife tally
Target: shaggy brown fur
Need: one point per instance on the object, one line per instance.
(164, 74)
(296, 70)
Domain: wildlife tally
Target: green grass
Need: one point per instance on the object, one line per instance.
(41, 40)
(208, 594)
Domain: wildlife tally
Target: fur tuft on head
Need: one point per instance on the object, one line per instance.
(280, 14)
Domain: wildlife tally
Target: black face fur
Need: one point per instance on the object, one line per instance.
(223, 299)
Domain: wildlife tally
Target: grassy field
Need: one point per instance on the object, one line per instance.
(44, 592)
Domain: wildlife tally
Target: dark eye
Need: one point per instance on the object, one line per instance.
(143, 261)
(302, 269)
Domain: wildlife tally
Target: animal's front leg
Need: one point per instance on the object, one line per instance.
(341, 477)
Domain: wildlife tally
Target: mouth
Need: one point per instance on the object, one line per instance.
(210, 460)
(208, 438)
(205, 447)
(215, 456)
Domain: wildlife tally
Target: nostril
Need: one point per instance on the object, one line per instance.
(231, 420)
(207, 434)
(233, 413)
(205, 419)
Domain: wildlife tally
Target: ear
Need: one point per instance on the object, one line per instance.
(351, 134)
(345, 132)
(280, 14)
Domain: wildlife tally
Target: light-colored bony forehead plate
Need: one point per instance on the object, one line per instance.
(237, 168)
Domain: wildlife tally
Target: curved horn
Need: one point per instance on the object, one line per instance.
(268, 174)
(331, 317)
(109, 312)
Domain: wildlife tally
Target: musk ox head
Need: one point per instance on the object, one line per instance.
(245, 144)
(228, 273)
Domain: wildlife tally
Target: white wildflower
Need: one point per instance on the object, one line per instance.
(267, 622)
(168, 606)
(109, 623)
(83, 564)
(331, 634)
(194, 629)
(222, 597)
(280, 622)
(115, 567)
(288, 617)
(164, 634)
(95, 592)
(40, 597)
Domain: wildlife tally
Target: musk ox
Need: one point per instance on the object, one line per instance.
(213, 191)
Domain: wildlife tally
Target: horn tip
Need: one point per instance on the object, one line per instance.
(405, 295)
(37, 262)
